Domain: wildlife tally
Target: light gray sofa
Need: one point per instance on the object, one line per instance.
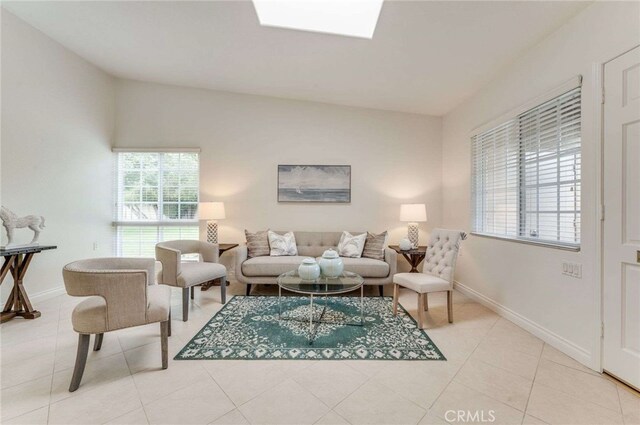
(266, 269)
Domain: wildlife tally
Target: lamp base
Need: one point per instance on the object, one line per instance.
(413, 234)
(212, 231)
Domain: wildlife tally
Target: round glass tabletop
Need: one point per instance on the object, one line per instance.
(346, 282)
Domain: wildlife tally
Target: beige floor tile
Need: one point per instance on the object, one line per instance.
(332, 418)
(24, 398)
(556, 407)
(374, 403)
(630, 403)
(556, 356)
(516, 362)
(149, 356)
(138, 336)
(331, 382)
(199, 403)
(37, 417)
(97, 405)
(135, 417)
(367, 367)
(530, 420)
(235, 417)
(506, 334)
(473, 406)
(21, 372)
(585, 386)
(153, 384)
(432, 419)
(97, 372)
(287, 403)
(418, 381)
(26, 350)
(243, 380)
(496, 383)
(67, 348)
(457, 344)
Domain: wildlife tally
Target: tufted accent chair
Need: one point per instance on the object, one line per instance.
(437, 272)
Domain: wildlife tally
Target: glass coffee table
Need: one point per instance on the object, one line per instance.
(320, 287)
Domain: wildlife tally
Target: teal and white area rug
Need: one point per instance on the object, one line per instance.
(250, 328)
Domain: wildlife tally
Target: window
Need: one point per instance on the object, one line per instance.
(526, 174)
(156, 200)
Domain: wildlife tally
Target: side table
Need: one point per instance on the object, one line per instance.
(222, 248)
(413, 256)
(17, 260)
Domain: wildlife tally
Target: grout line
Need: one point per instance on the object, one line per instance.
(533, 382)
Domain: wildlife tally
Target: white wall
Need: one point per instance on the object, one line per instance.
(394, 157)
(564, 310)
(57, 123)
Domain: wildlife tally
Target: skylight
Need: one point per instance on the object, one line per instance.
(353, 18)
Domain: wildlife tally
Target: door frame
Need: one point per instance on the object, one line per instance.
(598, 87)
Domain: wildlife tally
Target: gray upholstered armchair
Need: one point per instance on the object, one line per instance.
(187, 275)
(437, 272)
(122, 294)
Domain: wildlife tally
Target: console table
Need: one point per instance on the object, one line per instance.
(413, 256)
(17, 260)
(222, 248)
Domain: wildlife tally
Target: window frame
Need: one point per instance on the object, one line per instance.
(119, 199)
(515, 114)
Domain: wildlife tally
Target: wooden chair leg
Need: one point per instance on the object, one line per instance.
(81, 361)
(185, 304)
(450, 305)
(248, 289)
(420, 311)
(396, 290)
(164, 343)
(223, 289)
(169, 321)
(381, 290)
(97, 342)
(426, 301)
(193, 291)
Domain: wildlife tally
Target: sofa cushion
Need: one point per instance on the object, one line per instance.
(366, 267)
(374, 246)
(257, 243)
(195, 273)
(282, 244)
(271, 266)
(351, 245)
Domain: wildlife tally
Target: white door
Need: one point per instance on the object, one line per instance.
(621, 356)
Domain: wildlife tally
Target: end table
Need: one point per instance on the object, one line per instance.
(413, 256)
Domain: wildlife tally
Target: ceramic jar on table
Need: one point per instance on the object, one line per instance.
(309, 269)
(331, 264)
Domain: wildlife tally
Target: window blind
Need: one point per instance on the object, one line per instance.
(156, 200)
(526, 174)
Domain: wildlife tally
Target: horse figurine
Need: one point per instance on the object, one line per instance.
(11, 221)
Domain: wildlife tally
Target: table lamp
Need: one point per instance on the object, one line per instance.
(413, 213)
(211, 211)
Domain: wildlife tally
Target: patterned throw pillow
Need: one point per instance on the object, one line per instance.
(375, 245)
(350, 245)
(257, 243)
(282, 244)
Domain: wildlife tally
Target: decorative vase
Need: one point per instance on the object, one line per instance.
(331, 264)
(309, 269)
(405, 244)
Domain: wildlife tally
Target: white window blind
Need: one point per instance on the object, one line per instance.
(526, 174)
(156, 200)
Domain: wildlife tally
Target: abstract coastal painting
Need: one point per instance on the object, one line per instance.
(314, 183)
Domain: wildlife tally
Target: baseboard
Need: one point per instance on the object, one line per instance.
(556, 341)
(48, 294)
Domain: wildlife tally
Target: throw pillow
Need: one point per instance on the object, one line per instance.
(282, 244)
(350, 245)
(257, 243)
(374, 246)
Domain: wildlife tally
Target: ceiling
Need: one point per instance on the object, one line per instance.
(425, 57)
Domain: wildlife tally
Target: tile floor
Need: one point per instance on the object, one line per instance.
(494, 370)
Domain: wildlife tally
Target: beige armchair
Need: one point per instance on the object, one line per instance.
(437, 272)
(187, 275)
(122, 294)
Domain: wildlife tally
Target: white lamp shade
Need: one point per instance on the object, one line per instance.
(413, 213)
(211, 210)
